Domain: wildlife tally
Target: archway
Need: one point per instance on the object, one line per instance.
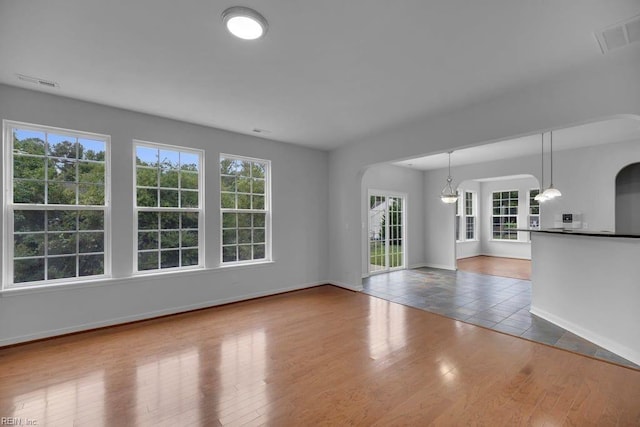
(628, 199)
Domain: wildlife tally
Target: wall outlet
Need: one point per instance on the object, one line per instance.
(585, 225)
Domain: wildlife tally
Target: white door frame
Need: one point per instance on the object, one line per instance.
(387, 194)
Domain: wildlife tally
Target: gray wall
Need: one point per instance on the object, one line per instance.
(399, 180)
(628, 200)
(300, 223)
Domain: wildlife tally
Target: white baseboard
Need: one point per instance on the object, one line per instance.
(440, 266)
(505, 256)
(420, 264)
(588, 335)
(355, 288)
(458, 258)
(150, 315)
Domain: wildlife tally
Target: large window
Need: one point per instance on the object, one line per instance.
(244, 209)
(168, 207)
(470, 215)
(505, 215)
(57, 215)
(466, 216)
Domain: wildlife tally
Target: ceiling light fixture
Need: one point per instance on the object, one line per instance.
(540, 197)
(551, 192)
(447, 195)
(244, 23)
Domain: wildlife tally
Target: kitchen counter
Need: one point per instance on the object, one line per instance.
(589, 284)
(580, 232)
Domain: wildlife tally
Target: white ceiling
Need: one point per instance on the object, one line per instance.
(603, 132)
(327, 72)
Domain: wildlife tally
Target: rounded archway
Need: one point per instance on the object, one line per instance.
(628, 199)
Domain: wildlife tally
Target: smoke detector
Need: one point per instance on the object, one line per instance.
(619, 35)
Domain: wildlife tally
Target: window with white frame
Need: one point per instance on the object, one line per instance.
(244, 209)
(505, 215)
(470, 215)
(168, 205)
(458, 216)
(57, 205)
(466, 216)
(534, 209)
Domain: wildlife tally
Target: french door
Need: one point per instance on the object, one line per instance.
(386, 232)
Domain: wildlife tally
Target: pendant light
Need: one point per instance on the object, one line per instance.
(540, 197)
(447, 195)
(551, 192)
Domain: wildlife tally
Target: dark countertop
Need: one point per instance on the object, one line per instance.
(580, 232)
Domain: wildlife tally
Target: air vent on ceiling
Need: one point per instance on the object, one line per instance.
(36, 80)
(258, 130)
(619, 35)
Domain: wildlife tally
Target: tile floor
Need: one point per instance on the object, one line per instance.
(499, 303)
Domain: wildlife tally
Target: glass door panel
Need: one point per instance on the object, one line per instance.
(386, 233)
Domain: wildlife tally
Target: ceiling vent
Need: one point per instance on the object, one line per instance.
(35, 80)
(619, 35)
(258, 130)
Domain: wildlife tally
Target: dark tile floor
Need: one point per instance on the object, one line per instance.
(499, 303)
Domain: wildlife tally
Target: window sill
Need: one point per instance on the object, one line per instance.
(508, 241)
(243, 265)
(137, 277)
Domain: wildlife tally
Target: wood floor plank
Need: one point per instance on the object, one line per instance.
(497, 266)
(322, 356)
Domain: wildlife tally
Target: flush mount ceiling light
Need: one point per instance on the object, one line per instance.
(244, 23)
(447, 195)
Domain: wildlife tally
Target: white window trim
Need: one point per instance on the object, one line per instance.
(267, 211)
(200, 208)
(517, 239)
(461, 216)
(529, 214)
(7, 202)
(458, 217)
(474, 214)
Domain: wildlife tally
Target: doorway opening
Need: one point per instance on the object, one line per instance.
(386, 232)
(489, 216)
(628, 199)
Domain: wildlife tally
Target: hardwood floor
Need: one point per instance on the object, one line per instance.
(319, 356)
(497, 266)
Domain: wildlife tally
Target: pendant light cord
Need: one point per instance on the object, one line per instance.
(551, 163)
(542, 158)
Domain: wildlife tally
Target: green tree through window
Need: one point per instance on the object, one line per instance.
(244, 205)
(168, 206)
(58, 203)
